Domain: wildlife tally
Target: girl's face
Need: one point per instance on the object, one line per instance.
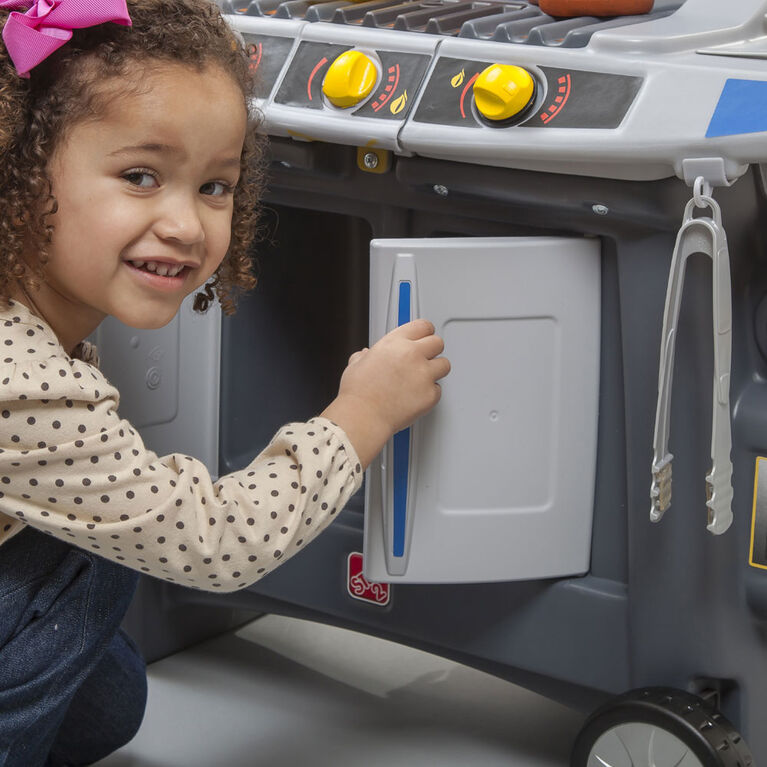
(145, 202)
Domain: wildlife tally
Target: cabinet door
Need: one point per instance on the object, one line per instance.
(497, 482)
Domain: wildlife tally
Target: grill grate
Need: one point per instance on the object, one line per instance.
(515, 21)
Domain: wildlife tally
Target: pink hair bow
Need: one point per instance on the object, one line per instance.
(33, 36)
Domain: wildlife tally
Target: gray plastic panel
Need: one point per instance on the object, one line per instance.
(168, 380)
(500, 483)
(144, 366)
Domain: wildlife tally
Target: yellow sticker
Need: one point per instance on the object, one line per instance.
(398, 104)
(457, 81)
(758, 556)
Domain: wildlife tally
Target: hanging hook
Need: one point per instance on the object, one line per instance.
(701, 189)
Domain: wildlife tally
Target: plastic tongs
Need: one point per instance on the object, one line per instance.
(698, 235)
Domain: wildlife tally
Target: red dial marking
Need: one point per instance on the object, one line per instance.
(320, 63)
(552, 111)
(255, 56)
(393, 82)
(463, 93)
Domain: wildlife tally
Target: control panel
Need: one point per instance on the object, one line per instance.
(372, 80)
(475, 94)
(364, 83)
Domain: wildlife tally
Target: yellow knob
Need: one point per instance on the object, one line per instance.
(502, 91)
(349, 79)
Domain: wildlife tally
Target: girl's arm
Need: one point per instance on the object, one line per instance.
(71, 466)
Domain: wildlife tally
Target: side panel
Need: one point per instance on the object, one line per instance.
(168, 380)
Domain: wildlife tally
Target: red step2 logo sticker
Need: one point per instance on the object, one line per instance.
(360, 587)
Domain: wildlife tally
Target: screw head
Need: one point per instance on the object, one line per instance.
(441, 190)
(600, 210)
(370, 160)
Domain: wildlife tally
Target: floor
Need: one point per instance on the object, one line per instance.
(287, 693)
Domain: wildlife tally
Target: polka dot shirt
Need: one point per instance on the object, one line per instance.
(71, 467)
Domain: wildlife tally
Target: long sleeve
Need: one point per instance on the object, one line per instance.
(70, 466)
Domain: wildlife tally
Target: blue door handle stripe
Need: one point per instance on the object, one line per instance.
(401, 449)
(403, 304)
(401, 459)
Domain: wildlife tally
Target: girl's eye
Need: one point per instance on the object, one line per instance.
(141, 178)
(216, 188)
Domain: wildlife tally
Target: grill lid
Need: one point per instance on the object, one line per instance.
(512, 21)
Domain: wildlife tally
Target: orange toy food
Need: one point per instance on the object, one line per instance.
(595, 7)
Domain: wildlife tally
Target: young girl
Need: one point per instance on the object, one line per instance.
(129, 174)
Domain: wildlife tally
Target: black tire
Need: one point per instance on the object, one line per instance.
(680, 716)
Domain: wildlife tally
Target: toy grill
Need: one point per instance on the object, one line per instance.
(512, 523)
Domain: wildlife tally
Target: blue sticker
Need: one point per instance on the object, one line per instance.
(742, 108)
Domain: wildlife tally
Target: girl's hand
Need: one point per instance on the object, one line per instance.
(387, 387)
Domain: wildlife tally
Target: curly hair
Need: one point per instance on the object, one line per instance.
(73, 85)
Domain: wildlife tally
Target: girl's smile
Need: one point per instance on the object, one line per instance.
(145, 199)
(161, 275)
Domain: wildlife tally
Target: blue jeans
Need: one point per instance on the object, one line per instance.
(72, 684)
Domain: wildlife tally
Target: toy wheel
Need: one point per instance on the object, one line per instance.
(659, 727)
